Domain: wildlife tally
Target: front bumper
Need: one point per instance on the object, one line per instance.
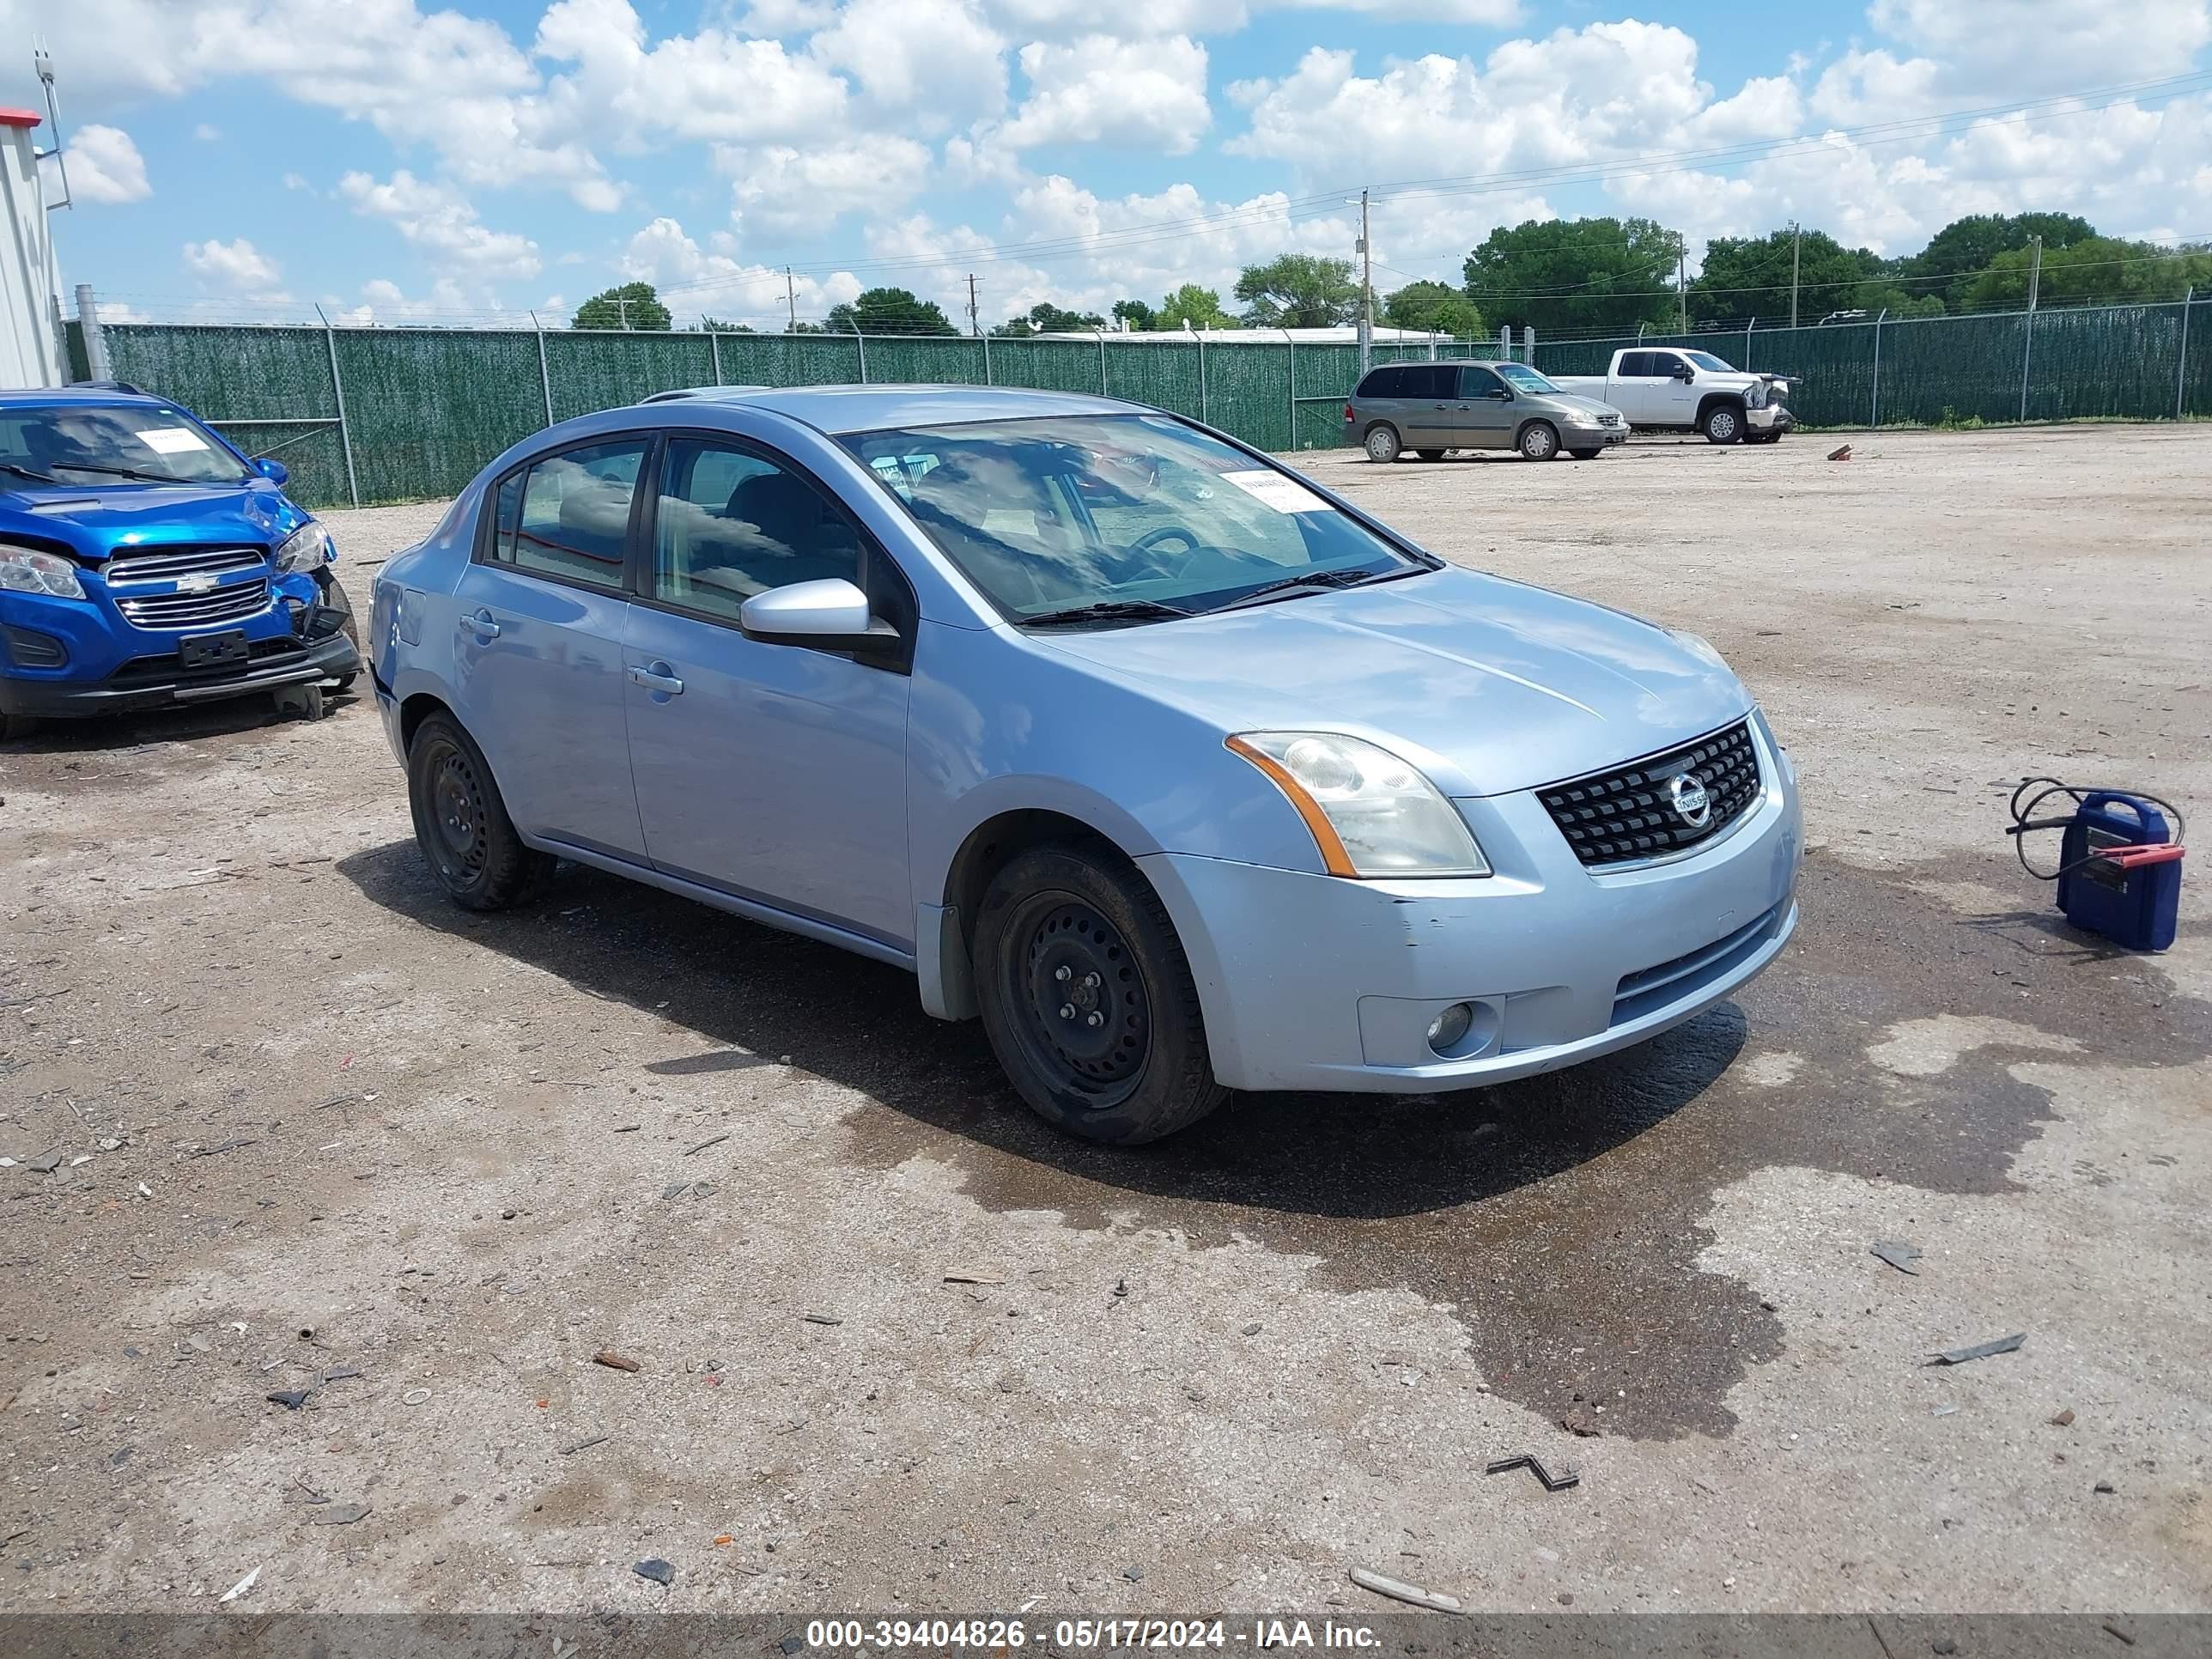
(1775, 418)
(1585, 437)
(143, 684)
(1312, 981)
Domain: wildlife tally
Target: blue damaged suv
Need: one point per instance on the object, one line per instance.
(145, 561)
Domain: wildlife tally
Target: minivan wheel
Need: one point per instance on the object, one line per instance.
(1429, 454)
(1586, 455)
(1381, 444)
(1539, 442)
(1723, 424)
(1088, 999)
(461, 824)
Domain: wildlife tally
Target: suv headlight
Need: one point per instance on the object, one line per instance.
(306, 549)
(24, 570)
(1371, 814)
(1755, 394)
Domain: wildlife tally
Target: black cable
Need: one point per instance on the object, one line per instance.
(2025, 824)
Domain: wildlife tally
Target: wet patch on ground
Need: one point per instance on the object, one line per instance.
(1559, 1218)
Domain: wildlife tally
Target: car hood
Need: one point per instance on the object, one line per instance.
(1578, 400)
(1491, 686)
(98, 521)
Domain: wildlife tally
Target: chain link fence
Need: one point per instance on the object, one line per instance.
(378, 415)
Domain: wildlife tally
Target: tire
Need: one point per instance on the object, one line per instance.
(1059, 917)
(15, 726)
(1383, 445)
(334, 594)
(1432, 454)
(1586, 455)
(461, 823)
(1539, 442)
(1722, 424)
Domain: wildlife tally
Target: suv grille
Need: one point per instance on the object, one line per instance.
(1610, 817)
(173, 563)
(196, 610)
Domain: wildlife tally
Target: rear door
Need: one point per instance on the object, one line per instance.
(1431, 399)
(1485, 410)
(773, 771)
(538, 656)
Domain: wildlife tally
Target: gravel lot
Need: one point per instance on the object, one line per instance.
(314, 1124)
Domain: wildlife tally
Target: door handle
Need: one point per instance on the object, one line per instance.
(483, 625)
(656, 676)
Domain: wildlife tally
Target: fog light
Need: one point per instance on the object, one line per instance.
(1446, 1030)
(27, 649)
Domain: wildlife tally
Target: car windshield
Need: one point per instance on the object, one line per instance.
(1118, 518)
(1706, 360)
(88, 443)
(1521, 377)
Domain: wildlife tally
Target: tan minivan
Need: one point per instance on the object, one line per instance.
(1433, 408)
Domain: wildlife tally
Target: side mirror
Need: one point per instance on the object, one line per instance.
(832, 612)
(1685, 374)
(271, 469)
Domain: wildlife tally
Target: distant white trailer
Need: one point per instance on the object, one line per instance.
(30, 280)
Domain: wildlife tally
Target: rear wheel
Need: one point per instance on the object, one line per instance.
(461, 823)
(1429, 454)
(1539, 442)
(1382, 444)
(1722, 424)
(1088, 999)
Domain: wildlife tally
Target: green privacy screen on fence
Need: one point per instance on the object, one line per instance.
(407, 413)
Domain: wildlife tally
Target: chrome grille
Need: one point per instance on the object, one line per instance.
(196, 610)
(173, 563)
(1608, 420)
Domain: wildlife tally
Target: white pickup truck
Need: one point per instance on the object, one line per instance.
(1672, 388)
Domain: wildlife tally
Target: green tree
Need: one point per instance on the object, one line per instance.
(1433, 307)
(1749, 276)
(888, 311)
(634, 304)
(1045, 318)
(1561, 275)
(1199, 306)
(1960, 252)
(716, 325)
(1298, 290)
(1133, 313)
(2096, 271)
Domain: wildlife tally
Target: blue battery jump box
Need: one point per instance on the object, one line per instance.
(2120, 874)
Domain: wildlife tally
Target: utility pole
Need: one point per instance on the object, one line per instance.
(791, 299)
(2028, 346)
(1366, 291)
(1682, 288)
(1797, 246)
(975, 323)
(2034, 269)
(621, 310)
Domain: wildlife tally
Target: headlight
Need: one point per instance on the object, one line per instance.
(25, 571)
(1755, 394)
(1371, 813)
(306, 549)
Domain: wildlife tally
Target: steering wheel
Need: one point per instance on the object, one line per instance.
(1149, 543)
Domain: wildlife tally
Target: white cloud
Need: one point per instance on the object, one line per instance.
(2043, 46)
(439, 221)
(1144, 94)
(384, 301)
(238, 265)
(785, 191)
(693, 282)
(105, 166)
(939, 58)
(207, 132)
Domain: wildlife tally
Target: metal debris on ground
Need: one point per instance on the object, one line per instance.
(2119, 1634)
(1567, 1476)
(673, 1187)
(655, 1569)
(614, 1362)
(2064, 1419)
(291, 1399)
(244, 1585)
(1906, 1258)
(1979, 1350)
(822, 1319)
(711, 1140)
(1841, 452)
(414, 1396)
(963, 1276)
(2105, 1487)
(341, 1373)
(596, 1439)
(1943, 1411)
(339, 1515)
(1120, 1288)
(1398, 1590)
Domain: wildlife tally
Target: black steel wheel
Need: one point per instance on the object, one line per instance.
(461, 823)
(1088, 999)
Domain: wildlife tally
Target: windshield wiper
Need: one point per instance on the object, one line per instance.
(1108, 610)
(130, 472)
(28, 472)
(1314, 581)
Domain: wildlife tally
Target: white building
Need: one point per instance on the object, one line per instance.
(30, 280)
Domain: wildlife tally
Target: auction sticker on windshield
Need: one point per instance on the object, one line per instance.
(170, 439)
(1273, 489)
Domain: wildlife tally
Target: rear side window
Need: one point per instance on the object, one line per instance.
(1636, 364)
(1429, 380)
(1381, 383)
(568, 516)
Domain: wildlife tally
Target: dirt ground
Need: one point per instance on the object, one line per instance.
(320, 1132)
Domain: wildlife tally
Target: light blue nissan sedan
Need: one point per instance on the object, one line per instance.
(1181, 772)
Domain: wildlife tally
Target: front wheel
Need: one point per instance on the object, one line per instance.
(461, 823)
(334, 595)
(1539, 442)
(1382, 444)
(1586, 455)
(1723, 424)
(1429, 454)
(1088, 999)
(13, 726)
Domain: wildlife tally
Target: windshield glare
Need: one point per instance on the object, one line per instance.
(1521, 377)
(89, 444)
(1706, 360)
(1054, 514)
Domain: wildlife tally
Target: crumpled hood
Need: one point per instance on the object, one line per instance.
(1491, 686)
(99, 520)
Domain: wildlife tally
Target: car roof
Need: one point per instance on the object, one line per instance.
(839, 408)
(90, 396)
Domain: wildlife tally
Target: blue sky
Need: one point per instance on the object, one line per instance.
(391, 161)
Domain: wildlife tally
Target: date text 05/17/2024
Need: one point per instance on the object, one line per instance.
(1071, 1635)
